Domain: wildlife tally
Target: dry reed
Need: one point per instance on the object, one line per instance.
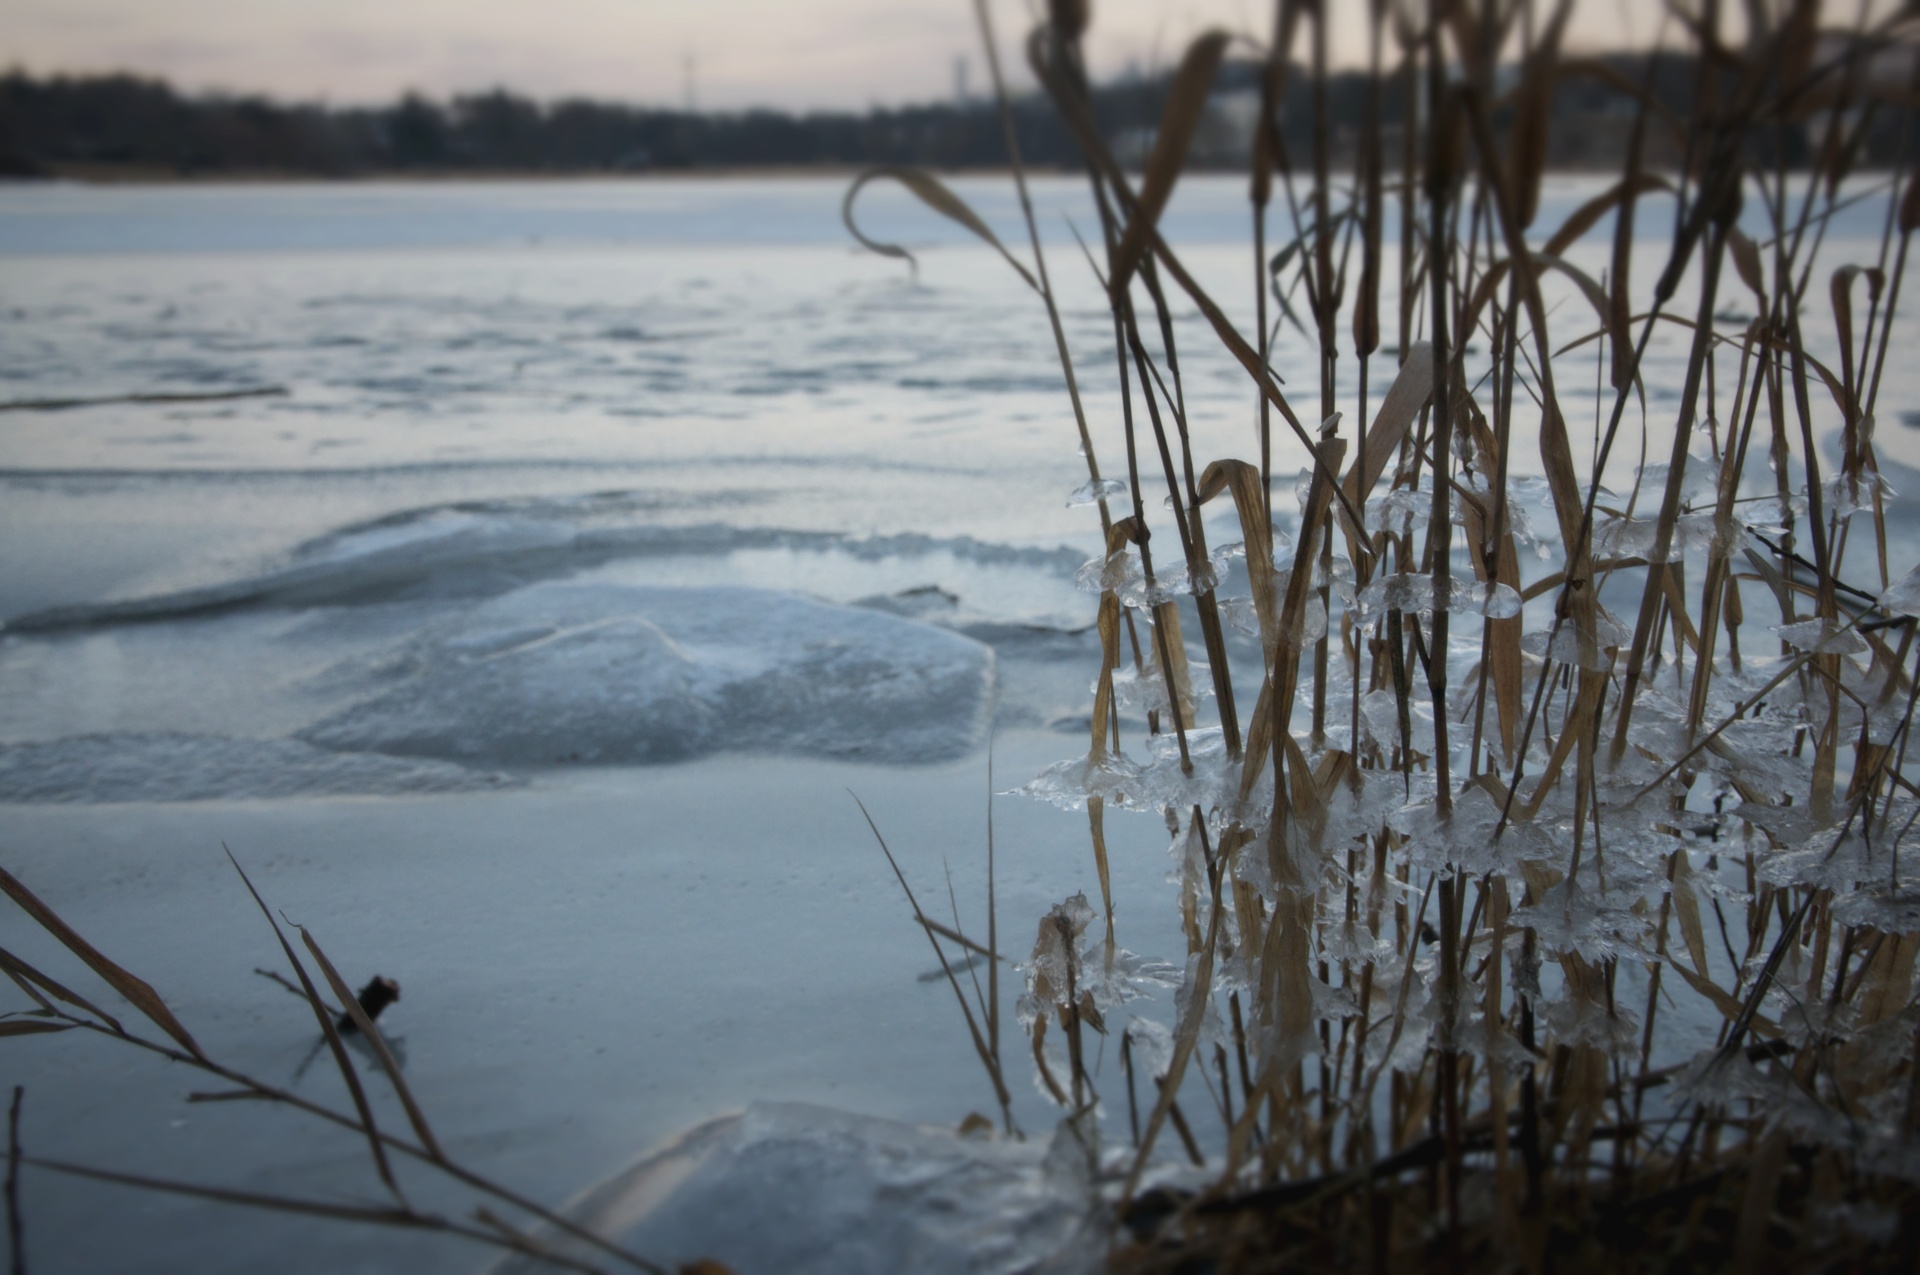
(1521, 934)
(525, 1227)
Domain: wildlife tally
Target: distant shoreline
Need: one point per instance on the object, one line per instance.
(140, 175)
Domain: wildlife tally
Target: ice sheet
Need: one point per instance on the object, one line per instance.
(795, 1189)
(175, 766)
(608, 674)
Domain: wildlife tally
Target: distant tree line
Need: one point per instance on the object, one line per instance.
(126, 122)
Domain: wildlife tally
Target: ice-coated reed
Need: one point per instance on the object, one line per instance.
(1541, 865)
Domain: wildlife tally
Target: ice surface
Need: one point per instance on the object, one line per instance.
(619, 674)
(462, 386)
(481, 548)
(792, 1189)
(172, 766)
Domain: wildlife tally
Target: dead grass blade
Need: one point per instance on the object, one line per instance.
(137, 993)
(980, 1046)
(1186, 104)
(1412, 388)
(1532, 111)
(16, 1228)
(403, 1218)
(30, 978)
(1088, 135)
(1746, 263)
(1686, 907)
(1187, 1031)
(1588, 215)
(31, 1027)
(373, 1037)
(932, 192)
(334, 1044)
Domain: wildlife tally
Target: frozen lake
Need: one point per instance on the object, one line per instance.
(525, 647)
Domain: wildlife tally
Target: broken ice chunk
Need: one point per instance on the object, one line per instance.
(1582, 650)
(1410, 592)
(1903, 598)
(615, 674)
(1123, 573)
(1822, 637)
(1848, 494)
(1704, 533)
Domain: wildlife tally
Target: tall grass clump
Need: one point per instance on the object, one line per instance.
(1541, 858)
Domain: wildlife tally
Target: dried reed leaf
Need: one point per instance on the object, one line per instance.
(1097, 826)
(1796, 41)
(375, 1143)
(1411, 389)
(1166, 625)
(1309, 807)
(1087, 133)
(31, 1027)
(30, 978)
(1532, 114)
(1620, 277)
(1268, 151)
(1249, 500)
(1686, 907)
(934, 194)
(373, 1037)
(403, 1217)
(277, 1203)
(1312, 518)
(954, 936)
(1588, 215)
(1186, 1035)
(988, 1059)
(1503, 636)
(1186, 104)
(1746, 263)
(1108, 622)
(1840, 292)
(136, 992)
(1286, 973)
(1729, 1007)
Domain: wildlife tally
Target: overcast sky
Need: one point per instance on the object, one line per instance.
(794, 54)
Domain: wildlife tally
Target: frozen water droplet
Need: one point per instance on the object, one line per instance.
(1092, 493)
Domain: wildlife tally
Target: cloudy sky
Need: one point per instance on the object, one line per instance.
(785, 53)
